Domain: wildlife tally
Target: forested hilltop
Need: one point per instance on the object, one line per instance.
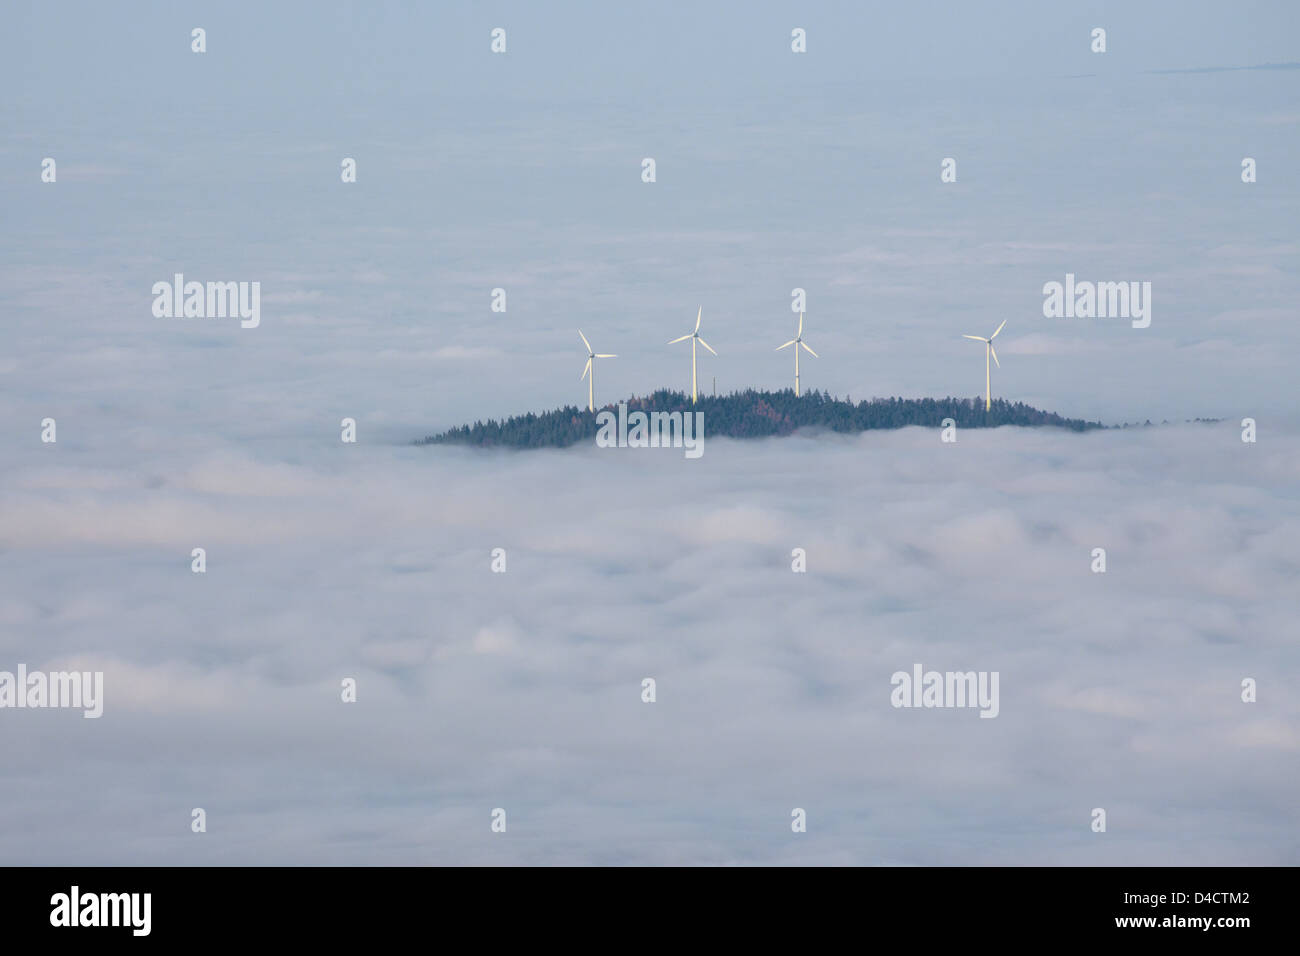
(753, 414)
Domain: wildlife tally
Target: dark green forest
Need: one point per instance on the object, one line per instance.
(754, 414)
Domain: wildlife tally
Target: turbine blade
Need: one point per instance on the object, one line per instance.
(606, 355)
(681, 338)
(995, 334)
(800, 332)
(584, 340)
(698, 315)
(707, 346)
(585, 369)
(787, 345)
(977, 338)
(810, 351)
(994, 353)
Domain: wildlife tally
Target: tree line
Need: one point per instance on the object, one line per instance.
(757, 414)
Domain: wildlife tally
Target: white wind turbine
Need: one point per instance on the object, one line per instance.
(591, 367)
(694, 337)
(988, 350)
(796, 342)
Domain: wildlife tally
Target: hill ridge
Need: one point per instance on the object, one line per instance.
(754, 413)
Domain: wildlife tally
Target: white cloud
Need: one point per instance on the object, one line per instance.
(523, 689)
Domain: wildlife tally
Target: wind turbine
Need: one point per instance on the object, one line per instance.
(796, 342)
(591, 367)
(694, 337)
(988, 350)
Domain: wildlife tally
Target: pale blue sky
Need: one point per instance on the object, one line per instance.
(775, 170)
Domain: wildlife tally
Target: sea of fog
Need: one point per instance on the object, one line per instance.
(522, 690)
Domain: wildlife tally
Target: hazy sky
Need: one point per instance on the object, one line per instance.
(775, 170)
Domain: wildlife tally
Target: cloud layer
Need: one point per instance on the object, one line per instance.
(522, 690)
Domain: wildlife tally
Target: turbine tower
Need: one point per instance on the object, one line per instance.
(797, 341)
(694, 337)
(591, 367)
(988, 350)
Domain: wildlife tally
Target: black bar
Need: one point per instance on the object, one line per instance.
(332, 905)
